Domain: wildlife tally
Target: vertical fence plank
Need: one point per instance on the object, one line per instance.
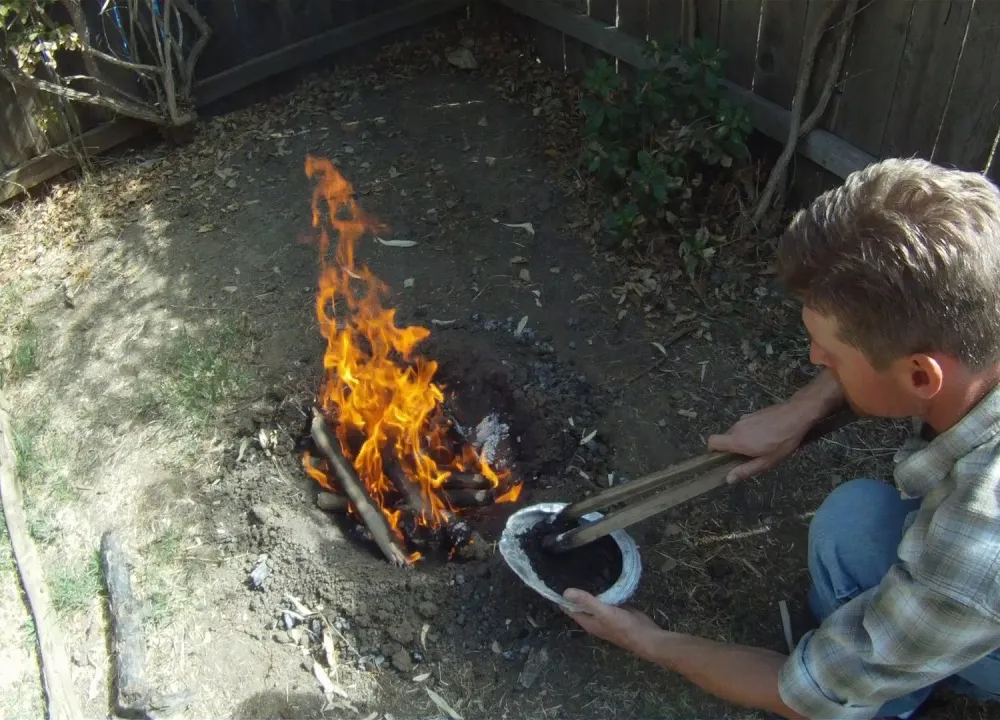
(779, 50)
(738, 23)
(16, 144)
(227, 47)
(665, 17)
(604, 10)
(933, 45)
(871, 73)
(973, 114)
(633, 17)
(708, 15)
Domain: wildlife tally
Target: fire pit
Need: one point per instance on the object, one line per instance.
(383, 434)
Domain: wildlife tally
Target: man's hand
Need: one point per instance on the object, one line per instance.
(627, 628)
(767, 436)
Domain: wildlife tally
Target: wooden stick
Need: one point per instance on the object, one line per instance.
(455, 530)
(786, 626)
(692, 478)
(369, 513)
(53, 658)
(332, 502)
(467, 481)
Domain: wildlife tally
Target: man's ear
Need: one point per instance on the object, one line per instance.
(924, 376)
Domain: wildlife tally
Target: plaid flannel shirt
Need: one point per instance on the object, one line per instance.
(937, 611)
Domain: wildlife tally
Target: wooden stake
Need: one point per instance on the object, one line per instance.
(370, 514)
(53, 658)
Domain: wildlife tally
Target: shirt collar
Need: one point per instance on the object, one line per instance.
(926, 459)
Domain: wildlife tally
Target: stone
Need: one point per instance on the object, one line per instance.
(402, 661)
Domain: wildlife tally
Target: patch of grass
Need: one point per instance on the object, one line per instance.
(163, 577)
(37, 453)
(25, 355)
(74, 586)
(195, 378)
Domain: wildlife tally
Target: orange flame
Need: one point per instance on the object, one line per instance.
(377, 391)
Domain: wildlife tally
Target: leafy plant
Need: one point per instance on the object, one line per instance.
(653, 140)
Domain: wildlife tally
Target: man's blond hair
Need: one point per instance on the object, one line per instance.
(906, 256)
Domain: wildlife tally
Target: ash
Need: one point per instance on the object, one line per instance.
(490, 433)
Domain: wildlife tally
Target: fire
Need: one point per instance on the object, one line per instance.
(378, 391)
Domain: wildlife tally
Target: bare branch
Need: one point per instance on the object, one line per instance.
(112, 60)
(199, 45)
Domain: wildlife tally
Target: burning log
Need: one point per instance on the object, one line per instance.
(464, 498)
(467, 481)
(457, 532)
(371, 516)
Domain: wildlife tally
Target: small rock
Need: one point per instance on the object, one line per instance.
(538, 660)
(331, 502)
(431, 216)
(298, 636)
(460, 579)
(427, 609)
(668, 565)
(258, 575)
(463, 58)
(281, 637)
(401, 660)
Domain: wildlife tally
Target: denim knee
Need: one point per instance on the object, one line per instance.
(853, 540)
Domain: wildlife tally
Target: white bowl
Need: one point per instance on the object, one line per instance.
(526, 518)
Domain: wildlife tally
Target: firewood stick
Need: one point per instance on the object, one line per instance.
(457, 531)
(467, 481)
(332, 502)
(371, 516)
(469, 498)
(63, 703)
(133, 697)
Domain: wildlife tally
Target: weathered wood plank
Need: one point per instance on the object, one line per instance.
(665, 20)
(823, 148)
(871, 72)
(227, 48)
(57, 160)
(548, 45)
(318, 46)
(604, 10)
(782, 28)
(931, 52)
(972, 118)
(633, 17)
(708, 14)
(16, 142)
(738, 23)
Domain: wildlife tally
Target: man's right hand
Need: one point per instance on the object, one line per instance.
(767, 436)
(770, 435)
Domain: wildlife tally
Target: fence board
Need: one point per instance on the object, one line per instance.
(824, 60)
(708, 14)
(933, 44)
(738, 22)
(973, 115)
(665, 18)
(871, 72)
(778, 52)
(633, 17)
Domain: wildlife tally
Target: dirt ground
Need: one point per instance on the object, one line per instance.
(162, 350)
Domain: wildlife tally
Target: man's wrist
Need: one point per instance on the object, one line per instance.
(652, 646)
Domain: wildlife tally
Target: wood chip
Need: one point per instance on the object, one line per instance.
(421, 677)
(520, 326)
(396, 243)
(326, 683)
(442, 705)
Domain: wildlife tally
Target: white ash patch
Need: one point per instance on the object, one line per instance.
(490, 435)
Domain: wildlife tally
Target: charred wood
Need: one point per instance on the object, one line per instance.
(372, 517)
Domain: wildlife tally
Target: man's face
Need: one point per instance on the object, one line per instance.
(872, 392)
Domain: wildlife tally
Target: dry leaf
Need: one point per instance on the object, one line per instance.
(396, 243)
(524, 275)
(230, 288)
(326, 683)
(495, 647)
(421, 677)
(423, 635)
(393, 172)
(690, 414)
(463, 58)
(442, 323)
(490, 161)
(408, 283)
(588, 437)
(660, 347)
(520, 326)
(207, 227)
(518, 260)
(329, 652)
(442, 705)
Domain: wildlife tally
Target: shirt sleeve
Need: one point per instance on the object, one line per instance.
(888, 641)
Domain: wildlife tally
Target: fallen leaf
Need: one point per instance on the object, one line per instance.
(520, 326)
(690, 414)
(435, 321)
(396, 243)
(393, 172)
(660, 347)
(207, 227)
(490, 161)
(423, 635)
(588, 437)
(495, 647)
(329, 652)
(230, 288)
(421, 677)
(326, 683)
(463, 58)
(442, 705)
(524, 275)
(518, 260)
(408, 283)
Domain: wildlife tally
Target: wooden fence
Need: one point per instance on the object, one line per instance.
(921, 78)
(251, 40)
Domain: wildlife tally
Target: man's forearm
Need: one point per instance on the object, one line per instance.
(739, 674)
(820, 397)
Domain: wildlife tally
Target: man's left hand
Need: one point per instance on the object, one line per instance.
(627, 628)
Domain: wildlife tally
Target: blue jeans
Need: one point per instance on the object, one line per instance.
(852, 544)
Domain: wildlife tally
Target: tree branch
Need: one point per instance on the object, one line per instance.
(199, 45)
